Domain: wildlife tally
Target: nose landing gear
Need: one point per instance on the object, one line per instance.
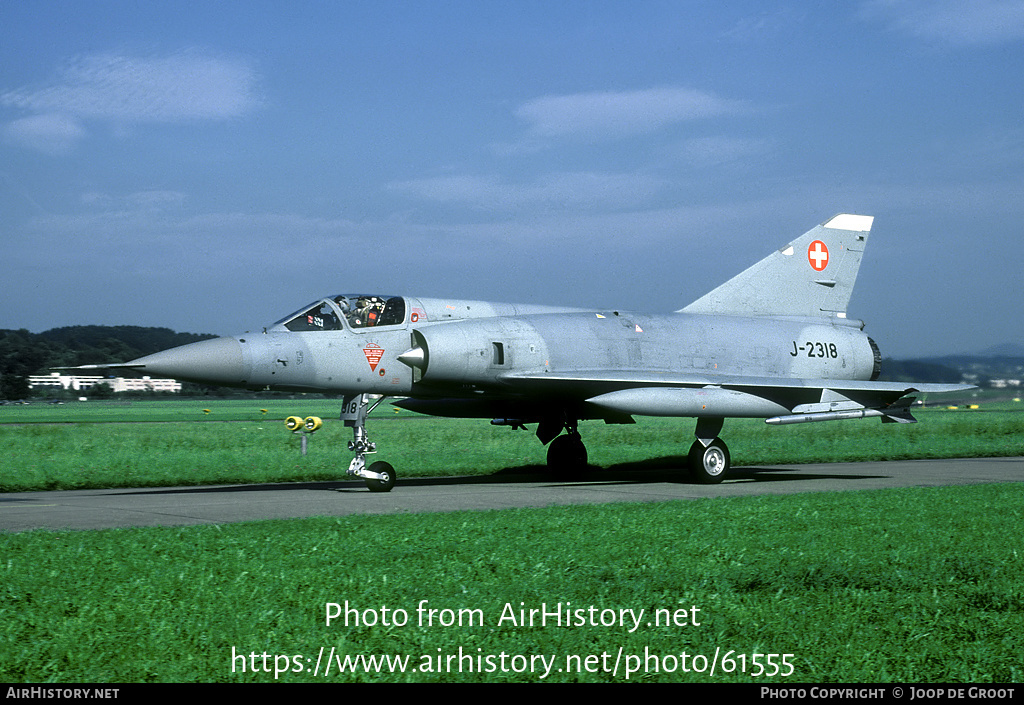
(379, 476)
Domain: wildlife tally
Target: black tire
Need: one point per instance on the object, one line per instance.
(381, 468)
(709, 465)
(567, 454)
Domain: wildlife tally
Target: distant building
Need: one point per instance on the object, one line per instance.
(80, 383)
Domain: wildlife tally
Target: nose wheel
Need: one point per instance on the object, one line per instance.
(385, 477)
(379, 476)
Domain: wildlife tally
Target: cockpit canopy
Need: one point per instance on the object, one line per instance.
(353, 311)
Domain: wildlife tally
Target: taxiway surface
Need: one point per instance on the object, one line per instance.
(182, 506)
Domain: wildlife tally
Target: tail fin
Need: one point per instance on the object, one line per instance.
(811, 276)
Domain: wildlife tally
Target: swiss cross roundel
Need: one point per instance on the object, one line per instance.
(817, 255)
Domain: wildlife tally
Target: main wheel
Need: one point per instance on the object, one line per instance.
(385, 484)
(567, 454)
(709, 465)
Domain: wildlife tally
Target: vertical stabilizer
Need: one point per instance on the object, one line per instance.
(811, 276)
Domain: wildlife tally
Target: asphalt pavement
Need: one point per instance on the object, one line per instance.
(524, 487)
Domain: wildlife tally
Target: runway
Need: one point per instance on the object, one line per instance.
(517, 487)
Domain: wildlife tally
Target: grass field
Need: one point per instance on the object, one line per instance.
(900, 586)
(189, 443)
(911, 586)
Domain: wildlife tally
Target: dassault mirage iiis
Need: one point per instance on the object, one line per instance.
(774, 342)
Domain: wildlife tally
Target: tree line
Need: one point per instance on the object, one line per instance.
(23, 353)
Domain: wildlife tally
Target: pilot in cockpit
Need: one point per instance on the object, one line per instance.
(368, 311)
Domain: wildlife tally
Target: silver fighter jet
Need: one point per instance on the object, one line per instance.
(773, 342)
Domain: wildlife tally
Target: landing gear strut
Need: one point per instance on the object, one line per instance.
(709, 459)
(379, 476)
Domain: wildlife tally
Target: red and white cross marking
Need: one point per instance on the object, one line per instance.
(817, 255)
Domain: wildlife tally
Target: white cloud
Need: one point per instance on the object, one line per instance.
(606, 115)
(572, 190)
(766, 25)
(954, 21)
(180, 87)
(50, 133)
(188, 85)
(151, 200)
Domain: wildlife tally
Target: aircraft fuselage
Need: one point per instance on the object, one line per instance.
(465, 348)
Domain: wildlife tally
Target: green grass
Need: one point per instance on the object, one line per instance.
(244, 445)
(168, 409)
(912, 585)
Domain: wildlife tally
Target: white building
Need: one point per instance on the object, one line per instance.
(118, 384)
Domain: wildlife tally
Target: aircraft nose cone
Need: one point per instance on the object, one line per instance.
(214, 361)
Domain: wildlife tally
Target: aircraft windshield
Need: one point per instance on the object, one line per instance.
(355, 311)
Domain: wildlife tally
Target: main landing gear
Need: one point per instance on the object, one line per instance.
(379, 476)
(566, 454)
(708, 459)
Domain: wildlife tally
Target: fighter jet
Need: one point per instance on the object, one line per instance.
(774, 342)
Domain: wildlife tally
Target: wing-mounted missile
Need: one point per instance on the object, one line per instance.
(897, 412)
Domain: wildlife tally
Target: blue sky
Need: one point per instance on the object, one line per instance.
(211, 166)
